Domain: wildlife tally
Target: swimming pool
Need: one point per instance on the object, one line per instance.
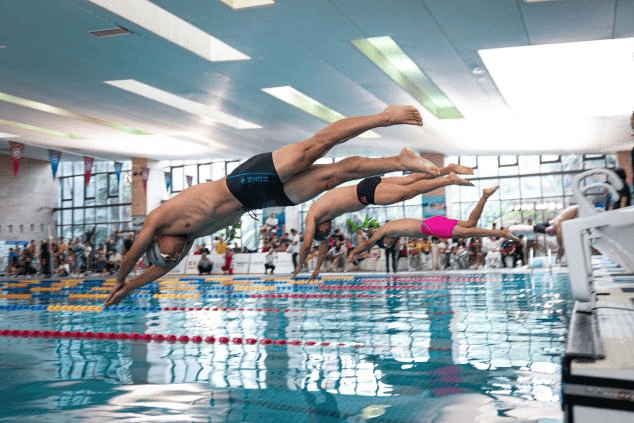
(450, 347)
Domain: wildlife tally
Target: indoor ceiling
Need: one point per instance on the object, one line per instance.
(63, 88)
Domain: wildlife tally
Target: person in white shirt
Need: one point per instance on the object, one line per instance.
(293, 247)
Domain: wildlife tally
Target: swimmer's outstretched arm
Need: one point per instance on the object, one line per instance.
(141, 242)
(323, 249)
(122, 289)
(309, 235)
(365, 245)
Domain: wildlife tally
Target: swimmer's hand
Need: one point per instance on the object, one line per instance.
(119, 291)
(295, 272)
(314, 275)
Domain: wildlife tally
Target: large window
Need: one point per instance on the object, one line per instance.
(101, 208)
(533, 187)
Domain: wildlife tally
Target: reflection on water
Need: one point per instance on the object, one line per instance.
(481, 349)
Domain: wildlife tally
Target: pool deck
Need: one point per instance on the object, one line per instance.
(598, 371)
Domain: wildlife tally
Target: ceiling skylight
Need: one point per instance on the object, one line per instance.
(166, 25)
(582, 79)
(61, 112)
(391, 59)
(311, 106)
(244, 4)
(181, 103)
(3, 135)
(46, 131)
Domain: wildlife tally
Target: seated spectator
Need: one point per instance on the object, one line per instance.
(63, 268)
(204, 264)
(269, 261)
(112, 264)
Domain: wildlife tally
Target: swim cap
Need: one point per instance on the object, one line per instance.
(154, 256)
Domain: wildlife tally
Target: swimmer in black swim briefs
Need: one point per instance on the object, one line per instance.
(286, 176)
(373, 190)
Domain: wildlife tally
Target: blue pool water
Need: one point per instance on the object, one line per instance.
(455, 347)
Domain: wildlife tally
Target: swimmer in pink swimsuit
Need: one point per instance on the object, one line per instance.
(439, 226)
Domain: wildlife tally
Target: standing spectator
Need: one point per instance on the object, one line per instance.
(391, 252)
(127, 244)
(625, 194)
(424, 246)
(337, 254)
(221, 245)
(271, 224)
(88, 256)
(269, 263)
(13, 262)
(227, 268)
(293, 248)
(101, 259)
(438, 247)
(462, 254)
(45, 258)
(476, 257)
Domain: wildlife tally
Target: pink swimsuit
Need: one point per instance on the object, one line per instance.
(439, 226)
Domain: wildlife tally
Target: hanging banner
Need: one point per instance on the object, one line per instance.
(117, 170)
(16, 155)
(145, 174)
(190, 179)
(54, 157)
(88, 161)
(168, 181)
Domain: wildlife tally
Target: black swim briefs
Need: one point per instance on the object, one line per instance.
(366, 189)
(256, 184)
(540, 228)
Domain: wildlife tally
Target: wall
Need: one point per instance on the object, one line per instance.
(26, 199)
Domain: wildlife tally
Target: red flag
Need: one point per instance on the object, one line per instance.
(88, 161)
(16, 155)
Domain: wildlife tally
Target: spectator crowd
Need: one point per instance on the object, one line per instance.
(79, 258)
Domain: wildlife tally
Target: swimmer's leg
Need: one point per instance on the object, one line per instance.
(394, 190)
(295, 158)
(475, 214)
(319, 178)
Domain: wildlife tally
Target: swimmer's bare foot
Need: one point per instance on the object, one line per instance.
(508, 234)
(415, 163)
(460, 170)
(489, 191)
(457, 180)
(403, 115)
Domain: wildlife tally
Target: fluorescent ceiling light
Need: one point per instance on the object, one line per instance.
(45, 131)
(61, 112)
(311, 106)
(391, 59)
(3, 135)
(181, 103)
(243, 4)
(166, 25)
(583, 79)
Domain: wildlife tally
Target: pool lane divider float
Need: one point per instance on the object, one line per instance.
(157, 309)
(198, 339)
